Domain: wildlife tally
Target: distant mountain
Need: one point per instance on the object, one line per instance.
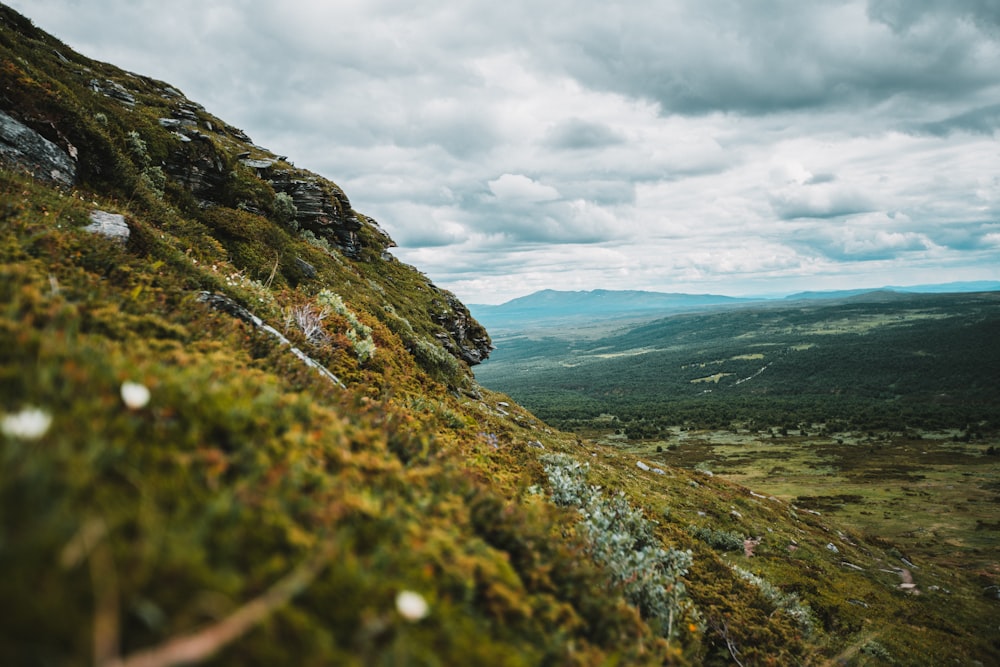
(549, 308)
(940, 288)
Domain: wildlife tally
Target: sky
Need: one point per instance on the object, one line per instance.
(701, 146)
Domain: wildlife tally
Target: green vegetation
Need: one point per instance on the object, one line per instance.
(621, 538)
(177, 486)
(879, 362)
(881, 410)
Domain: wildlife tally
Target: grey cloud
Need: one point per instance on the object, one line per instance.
(849, 243)
(648, 128)
(963, 236)
(600, 191)
(902, 15)
(819, 179)
(757, 58)
(576, 134)
(984, 120)
(818, 202)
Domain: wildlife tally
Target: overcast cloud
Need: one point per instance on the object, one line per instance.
(694, 145)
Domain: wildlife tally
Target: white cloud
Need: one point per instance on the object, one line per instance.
(693, 145)
(520, 189)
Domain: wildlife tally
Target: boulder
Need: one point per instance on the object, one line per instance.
(107, 224)
(23, 147)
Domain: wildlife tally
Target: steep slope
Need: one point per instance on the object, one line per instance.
(235, 430)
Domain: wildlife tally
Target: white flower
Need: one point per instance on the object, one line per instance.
(28, 424)
(411, 606)
(135, 395)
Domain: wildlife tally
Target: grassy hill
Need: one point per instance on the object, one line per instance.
(235, 431)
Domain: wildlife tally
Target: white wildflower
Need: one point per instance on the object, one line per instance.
(28, 424)
(411, 606)
(135, 395)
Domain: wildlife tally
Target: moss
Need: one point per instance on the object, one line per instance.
(246, 463)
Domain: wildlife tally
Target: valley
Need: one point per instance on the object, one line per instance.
(880, 412)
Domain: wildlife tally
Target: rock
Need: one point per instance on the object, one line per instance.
(832, 547)
(307, 269)
(466, 338)
(198, 167)
(238, 134)
(107, 224)
(21, 146)
(257, 164)
(170, 123)
(224, 304)
(114, 90)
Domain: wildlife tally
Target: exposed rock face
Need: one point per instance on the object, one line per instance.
(466, 339)
(23, 147)
(196, 164)
(114, 90)
(218, 164)
(107, 224)
(321, 207)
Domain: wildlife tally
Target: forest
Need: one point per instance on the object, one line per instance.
(878, 361)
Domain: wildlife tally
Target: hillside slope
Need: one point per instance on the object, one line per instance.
(236, 431)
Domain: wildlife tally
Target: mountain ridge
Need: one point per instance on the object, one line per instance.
(550, 308)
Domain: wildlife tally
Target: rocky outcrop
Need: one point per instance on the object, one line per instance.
(114, 90)
(466, 338)
(198, 166)
(23, 147)
(140, 135)
(320, 206)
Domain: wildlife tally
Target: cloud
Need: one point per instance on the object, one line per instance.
(520, 189)
(696, 58)
(577, 134)
(982, 120)
(706, 145)
(818, 200)
(903, 15)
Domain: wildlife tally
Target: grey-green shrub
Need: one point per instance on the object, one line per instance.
(621, 539)
(285, 210)
(788, 603)
(723, 540)
(358, 333)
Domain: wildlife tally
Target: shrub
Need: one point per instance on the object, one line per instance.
(788, 603)
(621, 540)
(435, 360)
(724, 540)
(358, 333)
(285, 210)
(309, 321)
